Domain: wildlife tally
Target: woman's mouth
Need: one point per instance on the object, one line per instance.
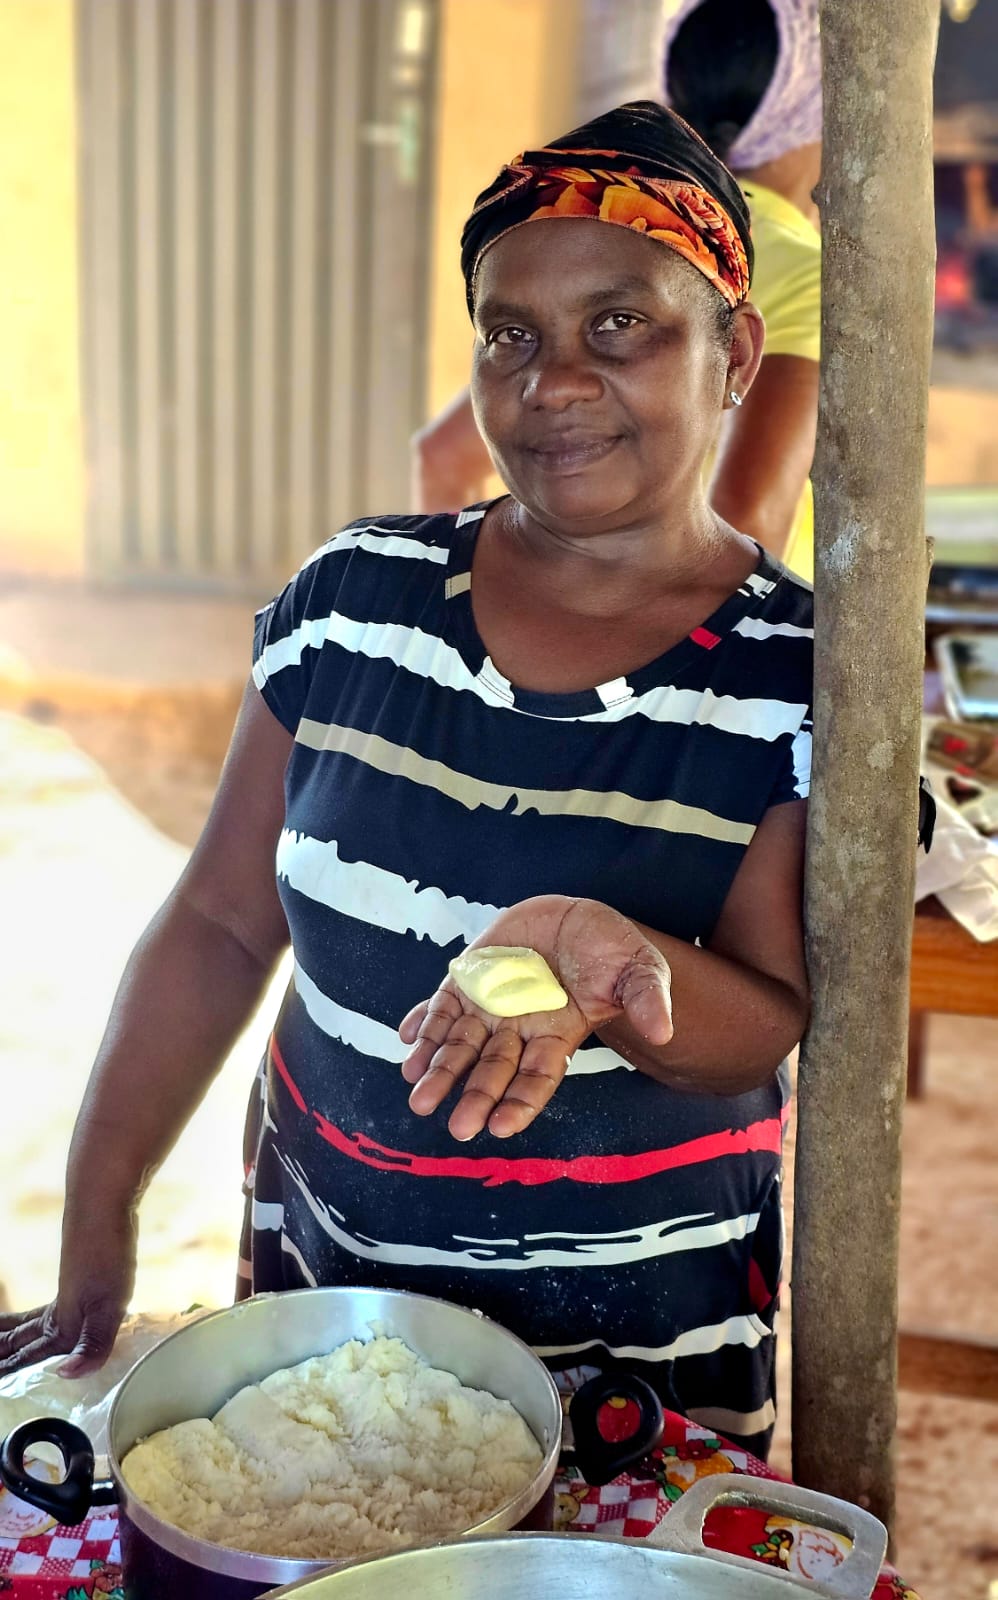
(567, 453)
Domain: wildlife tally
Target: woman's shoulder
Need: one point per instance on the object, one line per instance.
(789, 597)
(371, 549)
(778, 617)
(393, 535)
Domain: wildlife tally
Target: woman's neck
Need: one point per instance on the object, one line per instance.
(792, 175)
(616, 573)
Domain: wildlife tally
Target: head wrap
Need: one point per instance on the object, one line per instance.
(789, 113)
(640, 167)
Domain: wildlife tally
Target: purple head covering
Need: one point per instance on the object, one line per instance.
(789, 113)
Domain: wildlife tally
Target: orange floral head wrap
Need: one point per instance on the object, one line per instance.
(657, 177)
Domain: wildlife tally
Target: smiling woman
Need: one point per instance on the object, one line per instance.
(622, 357)
(574, 721)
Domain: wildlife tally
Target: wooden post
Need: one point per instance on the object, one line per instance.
(876, 205)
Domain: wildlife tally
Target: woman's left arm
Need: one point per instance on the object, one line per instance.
(718, 1020)
(742, 1002)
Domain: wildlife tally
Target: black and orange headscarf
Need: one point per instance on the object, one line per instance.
(639, 167)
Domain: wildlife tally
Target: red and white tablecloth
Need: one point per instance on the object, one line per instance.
(40, 1561)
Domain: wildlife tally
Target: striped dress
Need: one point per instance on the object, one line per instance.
(425, 793)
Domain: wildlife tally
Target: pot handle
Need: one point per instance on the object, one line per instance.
(682, 1530)
(70, 1500)
(616, 1418)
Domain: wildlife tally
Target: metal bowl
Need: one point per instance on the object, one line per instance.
(671, 1564)
(194, 1372)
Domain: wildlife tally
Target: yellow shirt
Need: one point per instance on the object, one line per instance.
(786, 286)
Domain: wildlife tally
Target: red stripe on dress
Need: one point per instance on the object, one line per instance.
(533, 1170)
(292, 1087)
(704, 637)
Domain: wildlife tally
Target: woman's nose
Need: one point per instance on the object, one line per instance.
(559, 379)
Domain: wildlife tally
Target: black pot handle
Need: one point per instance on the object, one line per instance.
(70, 1500)
(616, 1418)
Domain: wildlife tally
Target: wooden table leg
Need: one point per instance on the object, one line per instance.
(917, 1030)
(934, 1363)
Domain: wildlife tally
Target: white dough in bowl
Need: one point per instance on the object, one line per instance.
(361, 1450)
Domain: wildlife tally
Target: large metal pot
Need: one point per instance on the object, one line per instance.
(672, 1564)
(194, 1371)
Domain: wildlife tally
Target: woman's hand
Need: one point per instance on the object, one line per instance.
(511, 1066)
(95, 1286)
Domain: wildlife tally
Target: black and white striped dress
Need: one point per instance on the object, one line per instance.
(424, 794)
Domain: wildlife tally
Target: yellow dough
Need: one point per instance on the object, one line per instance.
(508, 980)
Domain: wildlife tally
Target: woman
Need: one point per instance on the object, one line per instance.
(575, 719)
(746, 75)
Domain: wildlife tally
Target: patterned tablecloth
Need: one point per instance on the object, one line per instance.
(40, 1561)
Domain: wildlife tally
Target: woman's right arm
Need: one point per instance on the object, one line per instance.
(191, 984)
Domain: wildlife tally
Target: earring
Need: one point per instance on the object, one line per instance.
(735, 397)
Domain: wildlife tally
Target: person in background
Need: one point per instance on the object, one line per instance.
(746, 75)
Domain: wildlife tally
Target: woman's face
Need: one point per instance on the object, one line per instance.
(599, 373)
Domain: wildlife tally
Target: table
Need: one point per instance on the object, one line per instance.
(950, 973)
(954, 975)
(81, 1563)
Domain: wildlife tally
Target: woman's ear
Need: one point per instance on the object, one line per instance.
(748, 336)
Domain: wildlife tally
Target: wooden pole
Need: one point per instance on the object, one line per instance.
(876, 206)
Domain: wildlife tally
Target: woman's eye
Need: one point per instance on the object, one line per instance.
(618, 322)
(509, 336)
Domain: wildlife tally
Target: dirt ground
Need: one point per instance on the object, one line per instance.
(101, 796)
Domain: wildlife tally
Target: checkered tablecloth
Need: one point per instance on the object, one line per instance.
(633, 1504)
(40, 1561)
(55, 1563)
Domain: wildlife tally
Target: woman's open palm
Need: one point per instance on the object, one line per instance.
(509, 1067)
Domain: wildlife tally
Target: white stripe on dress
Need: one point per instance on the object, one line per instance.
(747, 1330)
(428, 656)
(381, 1043)
(374, 895)
(759, 584)
(291, 1249)
(379, 541)
(288, 651)
(801, 755)
(267, 1216)
(755, 628)
(636, 1244)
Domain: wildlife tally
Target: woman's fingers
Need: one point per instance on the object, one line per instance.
(426, 1028)
(95, 1341)
(457, 1054)
(644, 989)
(512, 1082)
(38, 1350)
(84, 1333)
(32, 1337)
(20, 1332)
(10, 1321)
(542, 1067)
(496, 1070)
(412, 1022)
